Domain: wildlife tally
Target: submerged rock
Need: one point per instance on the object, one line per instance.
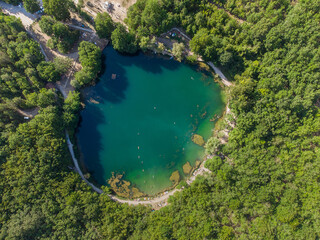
(198, 139)
(187, 168)
(175, 177)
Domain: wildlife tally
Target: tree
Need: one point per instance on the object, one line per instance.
(46, 24)
(90, 56)
(62, 64)
(212, 145)
(62, 37)
(123, 41)
(83, 77)
(59, 9)
(214, 164)
(147, 44)
(31, 6)
(104, 25)
(178, 50)
(48, 72)
(60, 30)
(226, 59)
(71, 107)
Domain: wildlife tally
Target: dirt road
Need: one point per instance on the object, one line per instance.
(19, 12)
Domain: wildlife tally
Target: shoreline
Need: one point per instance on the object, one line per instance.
(158, 200)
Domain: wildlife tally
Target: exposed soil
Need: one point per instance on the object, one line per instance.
(117, 9)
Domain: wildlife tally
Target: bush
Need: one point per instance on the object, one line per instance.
(177, 51)
(212, 145)
(46, 25)
(47, 72)
(214, 164)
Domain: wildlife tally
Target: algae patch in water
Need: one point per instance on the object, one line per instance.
(175, 177)
(187, 168)
(123, 188)
(198, 139)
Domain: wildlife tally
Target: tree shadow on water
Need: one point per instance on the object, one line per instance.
(113, 80)
(90, 141)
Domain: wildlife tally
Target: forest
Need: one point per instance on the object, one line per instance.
(266, 183)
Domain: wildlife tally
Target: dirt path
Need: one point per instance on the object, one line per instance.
(77, 168)
(30, 113)
(81, 28)
(224, 80)
(19, 12)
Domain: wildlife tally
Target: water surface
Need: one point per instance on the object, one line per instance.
(140, 117)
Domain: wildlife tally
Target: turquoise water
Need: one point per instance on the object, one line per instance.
(141, 122)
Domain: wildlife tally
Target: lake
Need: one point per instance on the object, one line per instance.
(139, 119)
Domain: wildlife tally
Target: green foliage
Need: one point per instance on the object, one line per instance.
(104, 25)
(214, 164)
(212, 146)
(47, 71)
(177, 51)
(192, 59)
(31, 6)
(90, 56)
(62, 64)
(148, 18)
(123, 41)
(83, 77)
(62, 37)
(59, 9)
(90, 59)
(71, 108)
(46, 24)
(13, 2)
(147, 44)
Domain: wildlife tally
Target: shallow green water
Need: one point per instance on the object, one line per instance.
(144, 119)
